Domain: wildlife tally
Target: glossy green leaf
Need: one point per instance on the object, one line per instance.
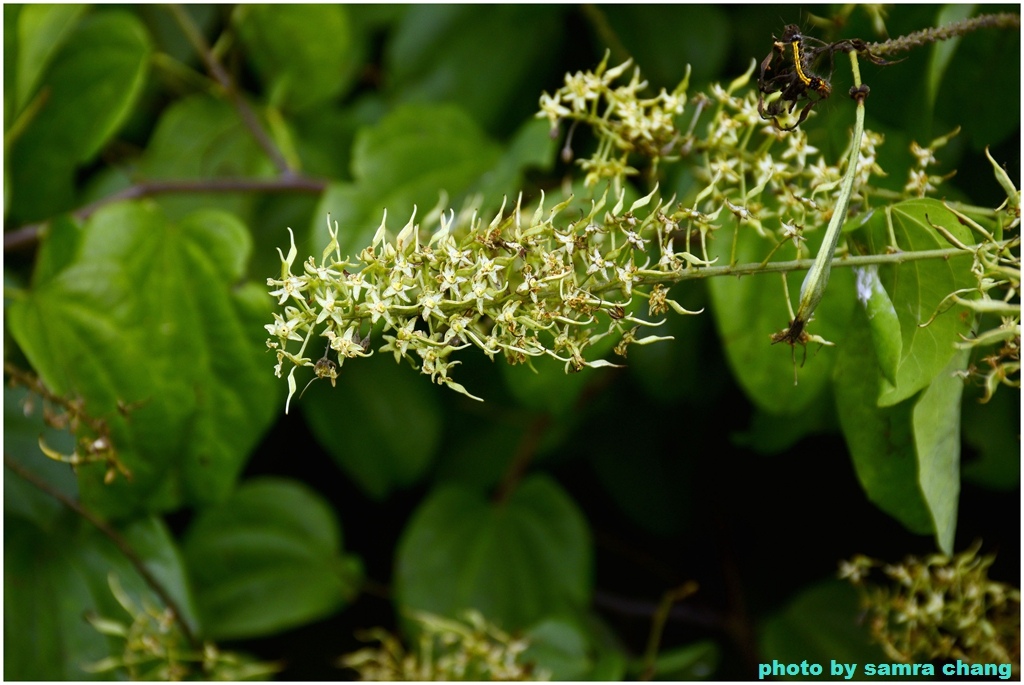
(305, 54)
(819, 625)
(880, 439)
(882, 321)
(460, 54)
(907, 456)
(201, 137)
(408, 159)
(93, 82)
(516, 561)
(267, 559)
(936, 421)
(749, 310)
(382, 424)
(42, 30)
(52, 580)
(917, 289)
(149, 314)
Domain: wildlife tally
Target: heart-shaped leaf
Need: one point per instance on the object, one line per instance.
(267, 559)
(148, 314)
(516, 561)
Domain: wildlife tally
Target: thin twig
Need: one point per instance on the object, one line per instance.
(1007, 20)
(195, 37)
(119, 541)
(658, 624)
(28, 235)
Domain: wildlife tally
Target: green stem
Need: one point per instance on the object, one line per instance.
(816, 281)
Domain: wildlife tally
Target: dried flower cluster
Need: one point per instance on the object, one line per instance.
(471, 649)
(155, 649)
(939, 607)
(997, 268)
(94, 444)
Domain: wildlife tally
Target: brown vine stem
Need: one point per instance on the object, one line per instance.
(195, 37)
(119, 541)
(28, 235)
(1007, 20)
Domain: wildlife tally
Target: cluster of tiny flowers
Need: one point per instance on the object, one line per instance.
(550, 284)
(154, 649)
(514, 287)
(921, 183)
(470, 649)
(939, 608)
(624, 122)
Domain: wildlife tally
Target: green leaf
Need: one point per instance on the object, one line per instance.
(149, 314)
(382, 425)
(408, 159)
(882, 321)
(462, 54)
(937, 443)
(42, 30)
(267, 559)
(22, 432)
(880, 439)
(748, 310)
(942, 51)
(58, 249)
(820, 625)
(93, 82)
(305, 54)
(52, 580)
(907, 456)
(918, 288)
(517, 561)
(198, 138)
(42, 640)
(557, 646)
(695, 661)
